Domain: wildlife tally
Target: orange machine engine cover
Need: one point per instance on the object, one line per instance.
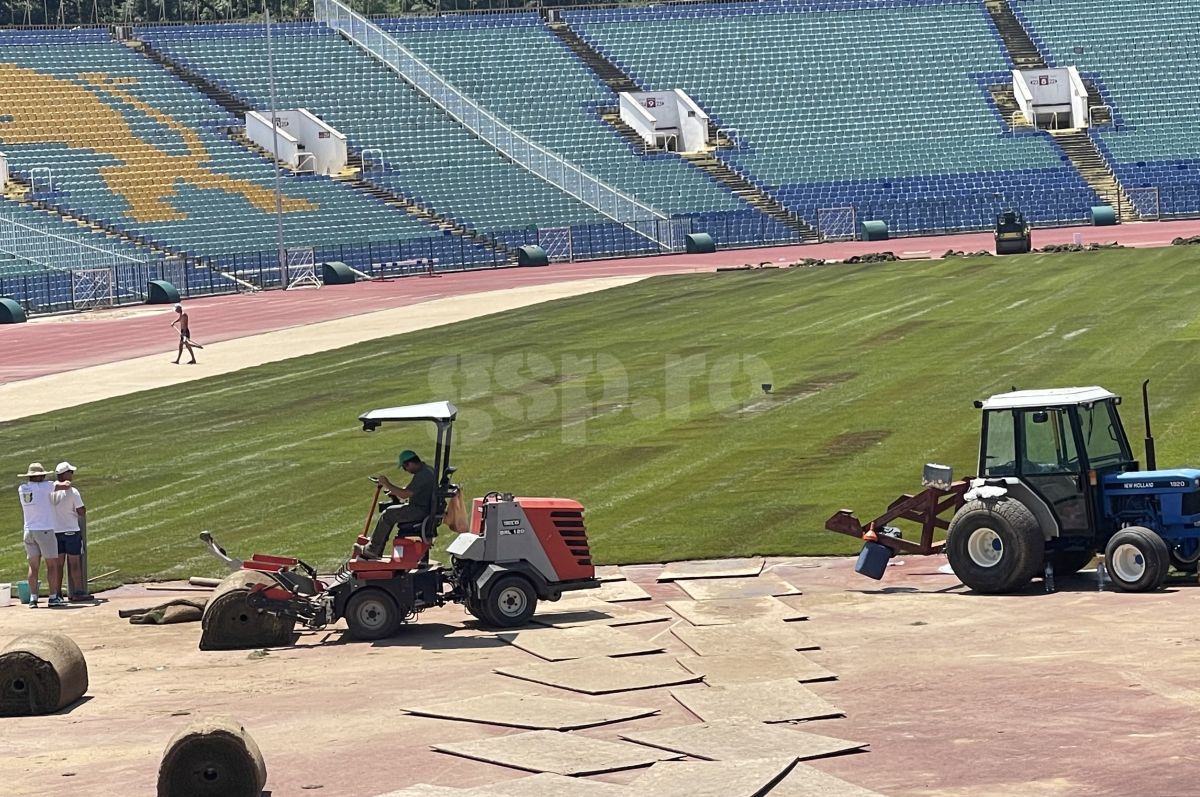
(558, 524)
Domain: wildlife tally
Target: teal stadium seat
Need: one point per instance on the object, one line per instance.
(429, 158)
(876, 104)
(1144, 56)
(132, 147)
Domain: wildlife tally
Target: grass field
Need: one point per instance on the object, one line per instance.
(642, 402)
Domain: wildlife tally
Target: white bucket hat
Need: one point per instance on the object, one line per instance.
(35, 469)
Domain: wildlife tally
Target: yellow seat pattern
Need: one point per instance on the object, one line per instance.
(39, 108)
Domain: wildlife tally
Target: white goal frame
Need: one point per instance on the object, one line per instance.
(91, 288)
(301, 269)
(837, 224)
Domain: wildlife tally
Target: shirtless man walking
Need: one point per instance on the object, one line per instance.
(185, 335)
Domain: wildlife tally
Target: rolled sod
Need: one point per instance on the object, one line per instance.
(230, 624)
(40, 674)
(213, 757)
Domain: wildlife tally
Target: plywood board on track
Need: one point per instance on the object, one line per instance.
(732, 611)
(766, 701)
(566, 614)
(767, 665)
(560, 644)
(425, 790)
(713, 778)
(806, 781)
(715, 640)
(529, 711)
(739, 739)
(548, 784)
(551, 751)
(598, 675)
(620, 591)
(605, 573)
(712, 568)
(766, 585)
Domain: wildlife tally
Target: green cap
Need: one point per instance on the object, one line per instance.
(407, 455)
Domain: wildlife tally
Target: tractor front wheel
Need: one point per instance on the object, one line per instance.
(510, 603)
(1137, 560)
(1185, 556)
(372, 614)
(995, 546)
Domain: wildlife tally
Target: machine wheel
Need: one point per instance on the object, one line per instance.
(1137, 560)
(372, 614)
(1068, 562)
(510, 603)
(474, 608)
(1183, 559)
(995, 546)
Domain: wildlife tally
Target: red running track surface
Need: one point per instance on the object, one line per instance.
(64, 344)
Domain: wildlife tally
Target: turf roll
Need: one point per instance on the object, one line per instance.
(230, 624)
(40, 674)
(181, 610)
(213, 757)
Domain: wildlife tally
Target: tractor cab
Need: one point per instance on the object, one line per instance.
(1012, 234)
(1055, 448)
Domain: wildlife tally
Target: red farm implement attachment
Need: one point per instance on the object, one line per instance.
(932, 508)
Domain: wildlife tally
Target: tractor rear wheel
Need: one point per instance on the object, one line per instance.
(995, 546)
(510, 603)
(1137, 560)
(372, 614)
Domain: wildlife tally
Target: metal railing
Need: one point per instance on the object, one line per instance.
(48, 249)
(541, 162)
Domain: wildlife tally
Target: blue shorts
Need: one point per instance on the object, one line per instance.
(69, 544)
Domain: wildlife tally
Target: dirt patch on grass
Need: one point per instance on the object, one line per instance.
(898, 332)
(782, 396)
(851, 443)
(815, 385)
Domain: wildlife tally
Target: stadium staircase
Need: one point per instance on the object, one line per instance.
(226, 99)
(1094, 168)
(605, 69)
(1078, 146)
(751, 193)
(20, 192)
(739, 186)
(351, 176)
(1021, 49)
(612, 118)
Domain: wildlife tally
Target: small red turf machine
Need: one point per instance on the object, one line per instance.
(516, 552)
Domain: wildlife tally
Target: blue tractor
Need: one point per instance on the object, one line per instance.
(1058, 483)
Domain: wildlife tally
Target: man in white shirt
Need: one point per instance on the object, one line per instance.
(68, 514)
(40, 542)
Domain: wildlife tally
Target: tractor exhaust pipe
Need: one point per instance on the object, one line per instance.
(1151, 459)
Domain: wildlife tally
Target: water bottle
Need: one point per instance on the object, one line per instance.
(1100, 576)
(1048, 578)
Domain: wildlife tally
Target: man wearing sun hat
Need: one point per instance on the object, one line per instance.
(40, 542)
(68, 515)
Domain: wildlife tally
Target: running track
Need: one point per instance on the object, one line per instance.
(55, 344)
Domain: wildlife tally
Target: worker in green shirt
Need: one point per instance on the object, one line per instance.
(405, 517)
